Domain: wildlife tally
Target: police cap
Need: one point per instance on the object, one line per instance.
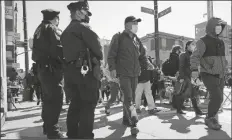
(80, 5)
(50, 14)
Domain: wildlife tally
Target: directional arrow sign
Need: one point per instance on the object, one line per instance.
(164, 12)
(147, 10)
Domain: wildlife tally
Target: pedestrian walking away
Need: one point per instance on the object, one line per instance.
(144, 86)
(210, 56)
(185, 76)
(82, 52)
(126, 51)
(47, 53)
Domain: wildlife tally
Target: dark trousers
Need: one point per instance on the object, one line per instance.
(128, 86)
(38, 91)
(215, 86)
(52, 98)
(84, 91)
(31, 92)
(114, 89)
(178, 100)
(155, 90)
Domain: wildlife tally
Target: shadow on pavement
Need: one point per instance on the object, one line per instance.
(14, 118)
(32, 109)
(212, 134)
(182, 125)
(114, 125)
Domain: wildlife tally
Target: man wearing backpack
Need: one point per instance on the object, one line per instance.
(209, 54)
(126, 51)
(171, 65)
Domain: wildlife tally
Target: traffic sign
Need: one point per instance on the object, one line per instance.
(147, 10)
(20, 44)
(164, 12)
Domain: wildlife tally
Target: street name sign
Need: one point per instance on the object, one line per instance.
(152, 12)
(164, 12)
(147, 10)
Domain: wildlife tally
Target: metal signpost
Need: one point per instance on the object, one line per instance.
(156, 17)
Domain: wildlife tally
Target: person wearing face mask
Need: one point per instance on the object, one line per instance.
(48, 54)
(124, 58)
(185, 76)
(82, 84)
(209, 55)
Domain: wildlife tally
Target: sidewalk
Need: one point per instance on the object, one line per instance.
(26, 124)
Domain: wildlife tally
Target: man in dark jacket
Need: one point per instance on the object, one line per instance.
(47, 53)
(210, 56)
(77, 39)
(185, 76)
(124, 55)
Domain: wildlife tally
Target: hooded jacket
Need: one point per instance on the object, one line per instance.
(184, 65)
(209, 53)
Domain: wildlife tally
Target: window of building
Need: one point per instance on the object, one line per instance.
(9, 55)
(152, 44)
(163, 43)
(8, 3)
(9, 24)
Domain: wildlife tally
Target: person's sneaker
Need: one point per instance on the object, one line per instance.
(138, 110)
(59, 135)
(134, 131)
(153, 111)
(212, 123)
(180, 112)
(107, 110)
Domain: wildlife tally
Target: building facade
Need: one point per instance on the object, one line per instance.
(166, 42)
(11, 35)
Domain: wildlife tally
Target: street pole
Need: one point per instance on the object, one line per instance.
(156, 35)
(16, 21)
(25, 37)
(209, 9)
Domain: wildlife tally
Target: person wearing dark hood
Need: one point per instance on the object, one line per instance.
(185, 76)
(47, 53)
(82, 52)
(171, 65)
(209, 54)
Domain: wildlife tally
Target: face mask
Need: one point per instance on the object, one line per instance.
(134, 29)
(86, 19)
(218, 29)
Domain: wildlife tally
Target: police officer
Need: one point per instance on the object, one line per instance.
(83, 83)
(47, 53)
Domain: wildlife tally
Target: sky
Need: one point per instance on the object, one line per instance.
(108, 16)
